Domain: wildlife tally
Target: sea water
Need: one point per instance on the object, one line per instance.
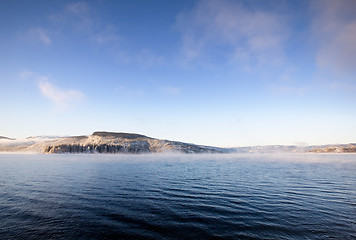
(237, 196)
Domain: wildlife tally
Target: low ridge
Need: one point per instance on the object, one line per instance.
(6, 138)
(119, 135)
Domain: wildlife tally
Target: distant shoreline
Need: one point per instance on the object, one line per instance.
(132, 143)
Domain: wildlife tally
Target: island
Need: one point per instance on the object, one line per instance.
(109, 142)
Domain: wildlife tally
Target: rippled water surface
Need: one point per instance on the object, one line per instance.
(297, 196)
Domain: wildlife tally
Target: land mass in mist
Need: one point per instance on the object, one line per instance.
(330, 148)
(112, 142)
(7, 138)
(109, 142)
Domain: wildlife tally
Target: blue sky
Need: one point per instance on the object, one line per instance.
(223, 73)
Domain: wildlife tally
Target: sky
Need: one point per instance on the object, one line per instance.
(220, 73)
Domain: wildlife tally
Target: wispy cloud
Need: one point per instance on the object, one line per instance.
(78, 8)
(61, 98)
(288, 90)
(147, 58)
(85, 21)
(143, 58)
(170, 90)
(76, 14)
(334, 30)
(40, 35)
(26, 74)
(236, 32)
(103, 38)
(129, 92)
(82, 18)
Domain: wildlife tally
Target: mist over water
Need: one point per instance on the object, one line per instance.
(244, 196)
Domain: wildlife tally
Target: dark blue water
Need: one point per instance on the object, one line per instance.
(300, 196)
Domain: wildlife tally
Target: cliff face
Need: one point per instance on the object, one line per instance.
(108, 142)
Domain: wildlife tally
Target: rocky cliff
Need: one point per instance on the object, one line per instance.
(110, 142)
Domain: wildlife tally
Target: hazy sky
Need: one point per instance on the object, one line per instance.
(223, 73)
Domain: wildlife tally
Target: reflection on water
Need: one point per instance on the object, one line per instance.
(299, 196)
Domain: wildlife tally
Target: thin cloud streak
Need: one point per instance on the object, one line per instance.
(170, 90)
(40, 35)
(82, 19)
(61, 98)
(26, 74)
(78, 14)
(252, 36)
(334, 30)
